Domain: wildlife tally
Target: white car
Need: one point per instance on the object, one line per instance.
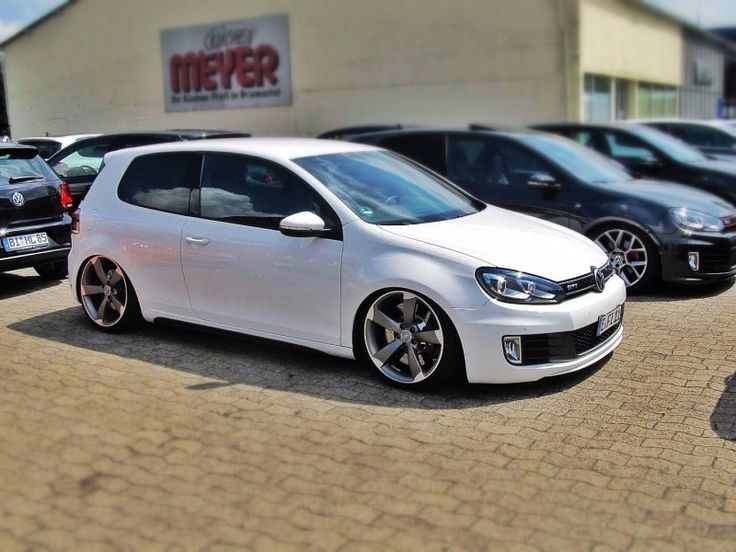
(49, 145)
(343, 248)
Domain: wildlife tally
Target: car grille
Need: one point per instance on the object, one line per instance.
(582, 284)
(712, 260)
(562, 346)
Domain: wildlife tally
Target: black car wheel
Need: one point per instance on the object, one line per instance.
(632, 254)
(52, 271)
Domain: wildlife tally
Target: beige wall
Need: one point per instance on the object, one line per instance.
(621, 40)
(96, 66)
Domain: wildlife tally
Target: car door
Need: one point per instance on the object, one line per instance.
(508, 175)
(241, 271)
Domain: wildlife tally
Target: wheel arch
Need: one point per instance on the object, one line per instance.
(607, 221)
(80, 270)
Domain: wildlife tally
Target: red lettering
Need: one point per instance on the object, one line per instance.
(225, 63)
(245, 68)
(267, 60)
(207, 69)
(184, 73)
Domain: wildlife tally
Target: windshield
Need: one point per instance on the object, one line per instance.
(584, 163)
(381, 188)
(17, 165)
(677, 150)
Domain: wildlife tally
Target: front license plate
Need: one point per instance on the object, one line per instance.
(609, 320)
(27, 241)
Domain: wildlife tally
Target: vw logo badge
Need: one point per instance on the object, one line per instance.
(18, 199)
(600, 280)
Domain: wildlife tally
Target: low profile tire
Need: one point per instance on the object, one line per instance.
(52, 271)
(108, 297)
(408, 340)
(632, 253)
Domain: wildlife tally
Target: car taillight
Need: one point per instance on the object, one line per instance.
(65, 197)
(75, 222)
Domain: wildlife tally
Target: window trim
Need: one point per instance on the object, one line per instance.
(331, 233)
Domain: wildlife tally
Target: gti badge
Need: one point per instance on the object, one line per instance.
(600, 280)
(18, 199)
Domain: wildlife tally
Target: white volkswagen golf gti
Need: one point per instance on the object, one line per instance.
(344, 248)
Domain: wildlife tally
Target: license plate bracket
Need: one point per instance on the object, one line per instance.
(25, 242)
(608, 320)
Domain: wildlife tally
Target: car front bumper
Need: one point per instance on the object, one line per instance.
(482, 331)
(716, 255)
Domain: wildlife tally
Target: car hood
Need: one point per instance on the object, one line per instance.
(504, 239)
(670, 194)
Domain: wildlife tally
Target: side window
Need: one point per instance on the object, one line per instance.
(523, 164)
(427, 149)
(583, 137)
(476, 160)
(627, 148)
(702, 136)
(161, 181)
(244, 190)
(83, 160)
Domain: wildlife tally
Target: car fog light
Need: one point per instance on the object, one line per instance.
(693, 260)
(512, 349)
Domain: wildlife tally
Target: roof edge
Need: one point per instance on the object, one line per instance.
(35, 23)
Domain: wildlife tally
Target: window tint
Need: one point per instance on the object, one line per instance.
(82, 159)
(427, 149)
(703, 136)
(161, 181)
(625, 147)
(243, 190)
(19, 164)
(46, 148)
(476, 160)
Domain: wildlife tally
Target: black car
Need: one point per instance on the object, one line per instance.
(35, 227)
(650, 153)
(347, 133)
(716, 139)
(648, 228)
(79, 163)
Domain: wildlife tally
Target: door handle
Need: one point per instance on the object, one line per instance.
(196, 240)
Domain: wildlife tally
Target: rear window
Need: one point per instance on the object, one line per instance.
(46, 148)
(23, 166)
(161, 181)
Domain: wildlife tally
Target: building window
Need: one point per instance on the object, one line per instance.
(597, 98)
(624, 103)
(656, 100)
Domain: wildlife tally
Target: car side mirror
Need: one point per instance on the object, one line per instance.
(304, 224)
(542, 180)
(648, 163)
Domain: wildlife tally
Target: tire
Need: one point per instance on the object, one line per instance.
(632, 253)
(57, 270)
(420, 354)
(107, 296)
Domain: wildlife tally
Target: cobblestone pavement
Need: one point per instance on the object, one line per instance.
(177, 439)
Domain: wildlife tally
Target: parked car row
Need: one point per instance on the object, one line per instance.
(504, 254)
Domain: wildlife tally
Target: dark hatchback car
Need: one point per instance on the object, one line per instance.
(79, 163)
(346, 133)
(649, 229)
(650, 153)
(716, 139)
(35, 227)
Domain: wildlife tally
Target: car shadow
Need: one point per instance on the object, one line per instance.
(723, 419)
(678, 292)
(13, 284)
(243, 360)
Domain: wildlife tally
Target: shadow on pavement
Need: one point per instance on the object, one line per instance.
(674, 292)
(231, 359)
(13, 284)
(723, 419)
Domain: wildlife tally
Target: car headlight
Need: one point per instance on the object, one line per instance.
(688, 219)
(516, 287)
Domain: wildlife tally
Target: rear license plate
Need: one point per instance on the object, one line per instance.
(26, 241)
(606, 321)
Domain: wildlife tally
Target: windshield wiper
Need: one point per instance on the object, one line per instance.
(16, 179)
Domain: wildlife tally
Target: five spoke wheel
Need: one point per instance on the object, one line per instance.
(627, 254)
(104, 291)
(403, 337)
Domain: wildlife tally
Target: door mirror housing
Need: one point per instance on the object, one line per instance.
(304, 224)
(542, 180)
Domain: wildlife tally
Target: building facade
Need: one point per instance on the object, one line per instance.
(96, 66)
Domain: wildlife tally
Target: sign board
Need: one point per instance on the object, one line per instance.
(227, 65)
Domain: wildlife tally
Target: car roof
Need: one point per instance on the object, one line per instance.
(623, 125)
(473, 129)
(280, 149)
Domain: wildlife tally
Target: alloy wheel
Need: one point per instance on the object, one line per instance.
(627, 254)
(104, 291)
(404, 337)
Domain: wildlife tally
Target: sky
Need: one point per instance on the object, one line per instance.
(16, 14)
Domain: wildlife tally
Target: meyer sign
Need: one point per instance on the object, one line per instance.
(227, 65)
